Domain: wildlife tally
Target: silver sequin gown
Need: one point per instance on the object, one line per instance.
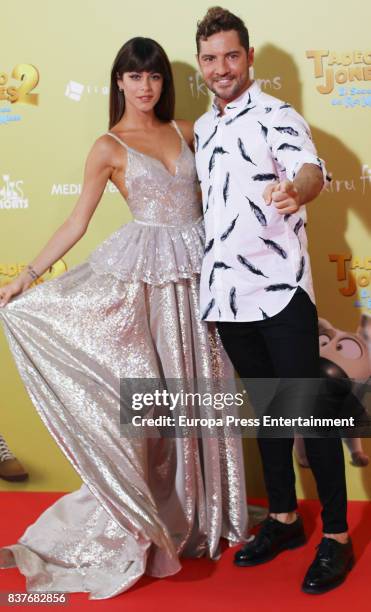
(131, 310)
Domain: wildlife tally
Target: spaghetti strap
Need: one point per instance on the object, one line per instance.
(121, 142)
(176, 127)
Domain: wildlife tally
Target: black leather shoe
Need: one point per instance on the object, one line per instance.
(330, 567)
(273, 538)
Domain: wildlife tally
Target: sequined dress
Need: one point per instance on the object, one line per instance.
(130, 310)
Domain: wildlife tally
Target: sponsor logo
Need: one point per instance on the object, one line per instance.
(75, 90)
(11, 194)
(274, 83)
(198, 87)
(356, 273)
(339, 74)
(73, 189)
(363, 183)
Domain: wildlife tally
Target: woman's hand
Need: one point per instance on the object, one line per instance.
(19, 285)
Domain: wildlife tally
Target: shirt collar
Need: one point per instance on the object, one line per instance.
(245, 99)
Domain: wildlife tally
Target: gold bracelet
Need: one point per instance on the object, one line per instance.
(34, 275)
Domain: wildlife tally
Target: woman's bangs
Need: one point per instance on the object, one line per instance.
(153, 63)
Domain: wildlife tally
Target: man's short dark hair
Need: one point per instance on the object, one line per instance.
(217, 20)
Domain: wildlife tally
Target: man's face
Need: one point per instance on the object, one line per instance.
(225, 64)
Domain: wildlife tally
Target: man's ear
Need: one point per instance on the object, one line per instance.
(250, 56)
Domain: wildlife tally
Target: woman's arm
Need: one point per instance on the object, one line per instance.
(98, 170)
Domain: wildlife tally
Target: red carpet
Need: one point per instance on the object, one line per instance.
(204, 585)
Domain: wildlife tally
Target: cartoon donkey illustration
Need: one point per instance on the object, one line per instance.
(343, 355)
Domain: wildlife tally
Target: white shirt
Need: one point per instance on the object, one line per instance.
(254, 256)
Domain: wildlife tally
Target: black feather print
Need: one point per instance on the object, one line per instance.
(264, 314)
(218, 265)
(250, 266)
(298, 225)
(288, 147)
(208, 197)
(271, 244)
(220, 314)
(217, 151)
(241, 114)
(226, 188)
(264, 130)
(286, 130)
(287, 217)
(209, 246)
(286, 105)
(320, 164)
(279, 287)
(208, 309)
(210, 137)
(229, 229)
(233, 301)
(243, 152)
(300, 272)
(258, 213)
(265, 177)
(197, 141)
(221, 265)
(268, 109)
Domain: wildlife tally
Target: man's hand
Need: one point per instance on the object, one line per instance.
(284, 196)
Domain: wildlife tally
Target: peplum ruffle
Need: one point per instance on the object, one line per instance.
(154, 254)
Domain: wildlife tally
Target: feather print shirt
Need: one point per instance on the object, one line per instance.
(255, 258)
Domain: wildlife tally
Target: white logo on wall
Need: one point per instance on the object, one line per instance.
(363, 184)
(11, 194)
(198, 87)
(75, 90)
(72, 189)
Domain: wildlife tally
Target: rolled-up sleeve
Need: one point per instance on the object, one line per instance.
(291, 143)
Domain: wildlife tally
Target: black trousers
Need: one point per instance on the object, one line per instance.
(286, 345)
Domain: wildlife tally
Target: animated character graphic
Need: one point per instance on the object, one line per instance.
(343, 355)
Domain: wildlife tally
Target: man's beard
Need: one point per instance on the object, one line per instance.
(232, 93)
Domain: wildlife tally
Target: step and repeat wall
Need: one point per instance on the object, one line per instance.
(55, 64)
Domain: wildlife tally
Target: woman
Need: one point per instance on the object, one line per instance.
(131, 311)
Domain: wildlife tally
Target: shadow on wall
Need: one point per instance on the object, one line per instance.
(192, 95)
(328, 217)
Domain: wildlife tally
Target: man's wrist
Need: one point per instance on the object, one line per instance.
(299, 194)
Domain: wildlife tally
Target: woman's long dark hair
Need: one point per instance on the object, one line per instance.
(142, 55)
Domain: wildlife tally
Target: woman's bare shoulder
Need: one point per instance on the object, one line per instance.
(106, 148)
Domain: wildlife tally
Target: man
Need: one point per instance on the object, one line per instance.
(257, 165)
